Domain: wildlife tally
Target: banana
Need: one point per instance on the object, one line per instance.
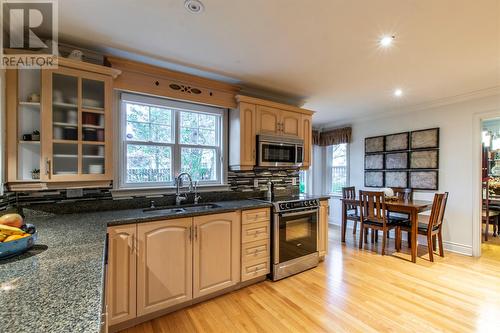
(2, 237)
(8, 230)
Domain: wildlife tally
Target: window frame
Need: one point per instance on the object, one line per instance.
(330, 169)
(177, 107)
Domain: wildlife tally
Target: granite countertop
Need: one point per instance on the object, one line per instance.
(58, 285)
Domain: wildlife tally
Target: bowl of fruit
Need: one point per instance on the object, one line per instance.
(16, 237)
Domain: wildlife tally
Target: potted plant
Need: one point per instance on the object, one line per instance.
(35, 174)
(35, 136)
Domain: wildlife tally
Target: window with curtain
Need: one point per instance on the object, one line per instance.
(339, 167)
(161, 138)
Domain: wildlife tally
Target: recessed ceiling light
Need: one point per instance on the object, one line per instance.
(386, 41)
(398, 92)
(194, 6)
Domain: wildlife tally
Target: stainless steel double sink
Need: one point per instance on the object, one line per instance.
(181, 209)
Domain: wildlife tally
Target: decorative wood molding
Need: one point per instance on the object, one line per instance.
(86, 66)
(153, 80)
(258, 101)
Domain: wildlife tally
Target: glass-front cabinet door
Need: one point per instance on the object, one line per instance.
(77, 123)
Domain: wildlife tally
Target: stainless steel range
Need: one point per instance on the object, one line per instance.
(294, 235)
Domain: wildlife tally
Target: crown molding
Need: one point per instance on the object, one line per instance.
(478, 94)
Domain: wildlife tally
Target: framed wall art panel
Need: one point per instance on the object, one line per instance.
(374, 162)
(424, 180)
(424, 159)
(374, 179)
(374, 144)
(394, 161)
(398, 141)
(425, 139)
(396, 179)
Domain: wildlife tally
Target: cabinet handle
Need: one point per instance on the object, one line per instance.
(131, 243)
(191, 234)
(47, 167)
(196, 232)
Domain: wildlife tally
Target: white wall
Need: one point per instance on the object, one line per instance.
(456, 159)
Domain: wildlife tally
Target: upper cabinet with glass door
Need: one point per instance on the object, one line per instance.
(70, 108)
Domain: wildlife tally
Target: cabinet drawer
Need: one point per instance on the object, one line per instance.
(255, 250)
(254, 232)
(254, 269)
(255, 215)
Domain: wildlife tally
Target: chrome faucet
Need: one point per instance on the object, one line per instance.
(197, 196)
(179, 198)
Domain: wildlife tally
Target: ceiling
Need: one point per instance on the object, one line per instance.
(323, 52)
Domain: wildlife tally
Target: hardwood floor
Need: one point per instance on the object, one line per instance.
(357, 291)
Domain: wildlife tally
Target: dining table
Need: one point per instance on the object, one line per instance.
(411, 207)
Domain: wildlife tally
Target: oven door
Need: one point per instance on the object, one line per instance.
(295, 234)
(277, 154)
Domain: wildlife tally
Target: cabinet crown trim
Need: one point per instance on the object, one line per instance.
(69, 63)
(263, 102)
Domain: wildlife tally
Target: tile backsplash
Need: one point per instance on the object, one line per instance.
(243, 185)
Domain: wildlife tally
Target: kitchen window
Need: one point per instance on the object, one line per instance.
(338, 158)
(161, 138)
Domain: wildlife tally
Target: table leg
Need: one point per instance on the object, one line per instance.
(414, 235)
(344, 221)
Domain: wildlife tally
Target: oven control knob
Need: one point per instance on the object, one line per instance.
(306, 203)
(282, 206)
(287, 205)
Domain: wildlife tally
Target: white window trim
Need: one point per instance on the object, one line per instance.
(328, 170)
(157, 188)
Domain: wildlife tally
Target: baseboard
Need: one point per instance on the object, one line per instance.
(458, 248)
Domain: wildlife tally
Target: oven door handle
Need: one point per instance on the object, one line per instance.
(304, 212)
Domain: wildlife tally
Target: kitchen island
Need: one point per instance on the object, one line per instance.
(58, 286)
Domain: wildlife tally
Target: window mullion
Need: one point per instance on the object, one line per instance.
(177, 152)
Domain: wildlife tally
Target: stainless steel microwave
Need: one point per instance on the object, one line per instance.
(277, 151)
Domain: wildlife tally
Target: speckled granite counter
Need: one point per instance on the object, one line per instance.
(58, 285)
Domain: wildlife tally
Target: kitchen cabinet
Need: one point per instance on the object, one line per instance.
(157, 265)
(268, 120)
(255, 243)
(324, 212)
(274, 121)
(291, 123)
(121, 274)
(254, 117)
(164, 269)
(216, 252)
(59, 125)
(306, 124)
(242, 139)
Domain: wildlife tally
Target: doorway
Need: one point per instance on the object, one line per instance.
(490, 179)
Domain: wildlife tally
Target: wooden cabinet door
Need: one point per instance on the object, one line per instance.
(248, 134)
(164, 269)
(307, 136)
(121, 284)
(291, 124)
(323, 229)
(268, 120)
(216, 252)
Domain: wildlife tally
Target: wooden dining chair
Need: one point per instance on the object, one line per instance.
(406, 195)
(488, 215)
(403, 194)
(352, 210)
(430, 226)
(373, 215)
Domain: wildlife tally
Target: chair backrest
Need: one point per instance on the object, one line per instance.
(437, 212)
(349, 193)
(373, 206)
(486, 200)
(403, 194)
